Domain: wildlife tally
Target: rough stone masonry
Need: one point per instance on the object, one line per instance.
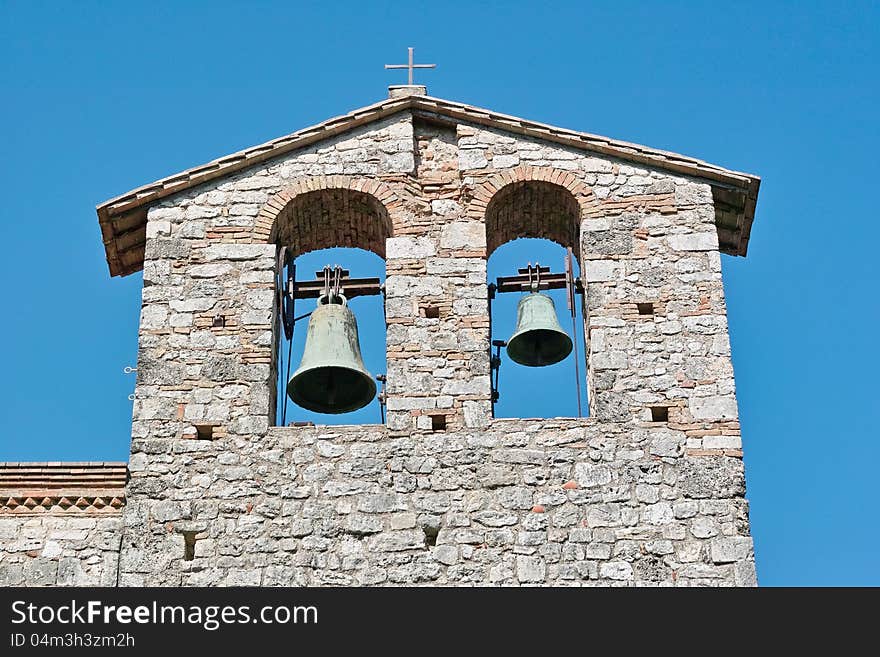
(648, 490)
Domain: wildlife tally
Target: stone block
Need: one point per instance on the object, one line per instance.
(616, 570)
(589, 475)
(602, 270)
(713, 408)
(398, 541)
(694, 242)
(711, 477)
(530, 569)
(463, 235)
(728, 549)
(410, 247)
(472, 159)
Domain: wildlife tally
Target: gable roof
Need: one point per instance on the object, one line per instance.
(123, 218)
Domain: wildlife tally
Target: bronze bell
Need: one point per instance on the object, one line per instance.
(538, 339)
(331, 377)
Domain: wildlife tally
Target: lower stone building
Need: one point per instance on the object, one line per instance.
(647, 490)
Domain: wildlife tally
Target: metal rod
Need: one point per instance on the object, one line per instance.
(287, 293)
(572, 306)
(577, 369)
(496, 395)
(286, 379)
(493, 393)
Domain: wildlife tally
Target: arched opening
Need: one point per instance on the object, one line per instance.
(326, 218)
(551, 390)
(369, 312)
(530, 222)
(533, 208)
(336, 227)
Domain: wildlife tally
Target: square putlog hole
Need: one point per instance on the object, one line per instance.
(438, 423)
(204, 432)
(646, 308)
(429, 311)
(659, 414)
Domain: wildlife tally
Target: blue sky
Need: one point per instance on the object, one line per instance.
(99, 98)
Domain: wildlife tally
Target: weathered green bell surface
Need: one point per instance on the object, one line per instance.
(538, 339)
(331, 377)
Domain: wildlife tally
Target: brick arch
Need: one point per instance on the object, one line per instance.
(528, 201)
(320, 212)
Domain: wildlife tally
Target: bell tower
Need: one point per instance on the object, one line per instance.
(647, 489)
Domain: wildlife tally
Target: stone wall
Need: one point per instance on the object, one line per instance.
(648, 490)
(521, 502)
(60, 523)
(67, 549)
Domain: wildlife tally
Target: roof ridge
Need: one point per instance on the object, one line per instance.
(600, 138)
(402, 102)
(139, 198)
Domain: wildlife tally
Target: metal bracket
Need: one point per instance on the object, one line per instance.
(128, 369)
(330, 281)
(336, 280)
(382, 396)
(495, 367)
(539, 278)
(284, 291)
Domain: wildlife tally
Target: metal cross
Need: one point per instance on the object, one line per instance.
(410, 66)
